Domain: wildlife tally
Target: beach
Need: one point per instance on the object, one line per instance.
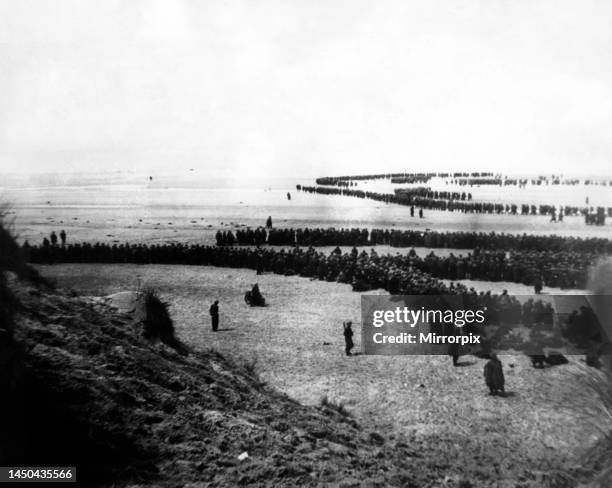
(189, 209)
(295, 344)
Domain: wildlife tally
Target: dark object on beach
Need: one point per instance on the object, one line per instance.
(254, 297)
(494, 375)
(420, 213)
(288, 196)
(538, 285)
(538, 360)
(556, 358)
(53, 238)
(269, 222)
(348, 337)
(453, 351)
(214, 315)
(63, 237)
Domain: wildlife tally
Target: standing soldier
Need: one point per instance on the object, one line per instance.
(494, 375)
(53, 238)
(420, 213)
(348, 337)
(453, 351)
(269, 222)
(63, 237)
(214, 314)
(538, 285)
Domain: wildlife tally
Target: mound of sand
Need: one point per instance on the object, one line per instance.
(124, 301)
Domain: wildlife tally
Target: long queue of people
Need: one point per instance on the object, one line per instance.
(448, 201)
(413, 238)
(396, 273)
(458, 178)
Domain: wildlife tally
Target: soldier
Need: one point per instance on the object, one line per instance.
(494, 375)
(348, 337)
(53, 238)
(420, 213)
(269, 222)
(63, 237)
(214, 314)
(453, 351)
(538, 285)
(257, 298)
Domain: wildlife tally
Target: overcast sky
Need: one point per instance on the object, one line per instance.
(306, 87)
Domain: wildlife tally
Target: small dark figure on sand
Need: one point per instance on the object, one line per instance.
(214, 315)
(420, 213)
(269, 222)
(538, 285)
(53, 238)
(63, 237)
(254, 298)
(453, 351)
(494, 375)
(348, 337)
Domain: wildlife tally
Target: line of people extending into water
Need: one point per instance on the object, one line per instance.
(414, 197)
(460, 178)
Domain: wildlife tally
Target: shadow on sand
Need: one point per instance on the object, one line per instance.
(461, 364)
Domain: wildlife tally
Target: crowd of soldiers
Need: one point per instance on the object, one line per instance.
(405, 274)
(462, 179)
(349, 180)
(410, 180)
(364, 271)
(566, 270)
(52, 240)
(415, 238)
(458, 202)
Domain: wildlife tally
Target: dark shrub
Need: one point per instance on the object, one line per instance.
(157, 323)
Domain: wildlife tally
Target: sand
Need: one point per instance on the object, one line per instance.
(157, 213)
(297, 346)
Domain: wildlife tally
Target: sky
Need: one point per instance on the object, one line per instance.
(306, 88)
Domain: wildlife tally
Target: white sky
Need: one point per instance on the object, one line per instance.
(310, 87)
